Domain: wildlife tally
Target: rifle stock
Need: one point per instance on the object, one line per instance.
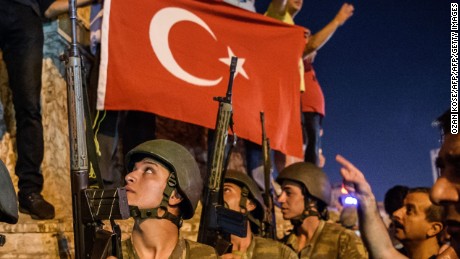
(217, 223)
(269, 222)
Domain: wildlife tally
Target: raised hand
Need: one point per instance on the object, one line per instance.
(354, 178)
(344, 13)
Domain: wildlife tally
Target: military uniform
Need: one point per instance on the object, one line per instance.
(185, 178)
(185, 249)
(330, 241)
(264, 248)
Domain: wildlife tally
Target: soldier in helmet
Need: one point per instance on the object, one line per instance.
(163, 188)
(306, 192)
(242, 194)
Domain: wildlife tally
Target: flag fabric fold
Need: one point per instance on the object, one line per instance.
(172, 57)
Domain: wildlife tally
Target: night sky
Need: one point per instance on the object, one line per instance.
(385, 75)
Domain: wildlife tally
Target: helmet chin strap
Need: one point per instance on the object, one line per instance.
(160, 212)
(310, 210)
(244, 209)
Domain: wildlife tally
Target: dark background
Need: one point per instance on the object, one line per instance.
(385, 75)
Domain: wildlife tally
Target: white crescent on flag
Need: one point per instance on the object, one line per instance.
(167, 58)
(160, 26)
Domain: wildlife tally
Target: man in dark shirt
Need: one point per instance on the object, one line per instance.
(21, 41)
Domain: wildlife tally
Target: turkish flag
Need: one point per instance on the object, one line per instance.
(172, 57)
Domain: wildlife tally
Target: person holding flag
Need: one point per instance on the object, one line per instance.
(312, 99)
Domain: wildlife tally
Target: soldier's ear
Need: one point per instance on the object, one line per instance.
(250, 205)
(436, 228)
(175, 198)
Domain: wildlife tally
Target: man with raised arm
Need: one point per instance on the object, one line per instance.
(312, 98)
(417, 223)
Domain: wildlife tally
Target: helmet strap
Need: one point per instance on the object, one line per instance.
(160, 212)
(244, 209)
(310, 210)
(244, 199)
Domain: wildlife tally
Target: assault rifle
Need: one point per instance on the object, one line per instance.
(217, 223)
(89, 206)
(269, 222)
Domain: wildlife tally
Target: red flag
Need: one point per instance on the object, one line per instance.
(172, 57)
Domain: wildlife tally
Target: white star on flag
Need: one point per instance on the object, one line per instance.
(239, 66)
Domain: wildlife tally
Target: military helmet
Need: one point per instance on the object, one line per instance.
(179, 161)
(312, 177)
(241, 178)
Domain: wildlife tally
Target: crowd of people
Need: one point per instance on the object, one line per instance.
(159, 207)
(426, 223)
(425, 220)
(164, 184)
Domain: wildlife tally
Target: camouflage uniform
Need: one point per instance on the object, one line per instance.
(330, 241)
(264, 248)
(185, 249)
(184, 176)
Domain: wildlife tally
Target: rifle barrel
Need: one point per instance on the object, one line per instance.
(209, 231)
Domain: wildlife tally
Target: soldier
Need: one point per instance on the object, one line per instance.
(163, 188)
(306, 192)
(242, 194)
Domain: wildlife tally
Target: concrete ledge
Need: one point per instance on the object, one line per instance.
(38, 238)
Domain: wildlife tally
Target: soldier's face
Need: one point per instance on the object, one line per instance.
(145, 184)
(446, 190)
(232, 196)
(410, 220)
(291, 199)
